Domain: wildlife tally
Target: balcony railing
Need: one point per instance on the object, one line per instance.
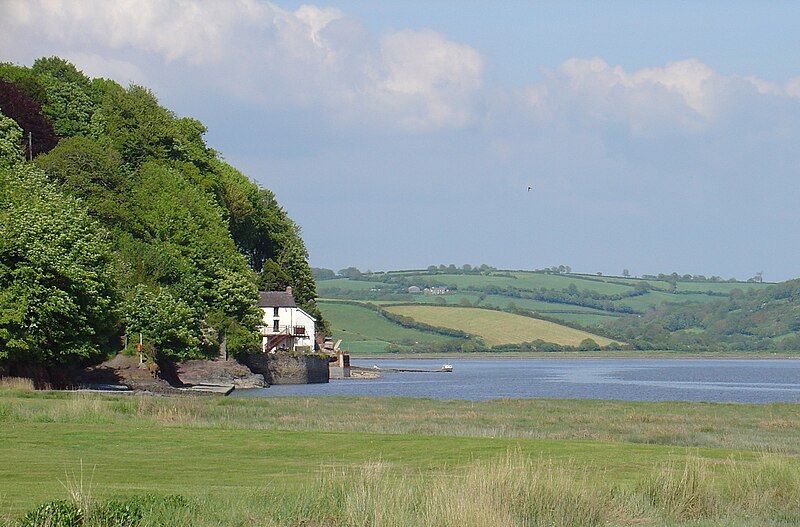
(294, 331)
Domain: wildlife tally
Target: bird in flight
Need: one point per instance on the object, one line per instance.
(530, 188)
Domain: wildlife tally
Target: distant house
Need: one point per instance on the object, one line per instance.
(414, 289)
(436, 290)
(285, 327)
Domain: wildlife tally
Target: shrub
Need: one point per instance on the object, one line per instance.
(117, 514)
(54, 514)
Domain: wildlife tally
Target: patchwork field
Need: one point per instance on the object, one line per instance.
(496, 327)
(387, 462)
(589, 301)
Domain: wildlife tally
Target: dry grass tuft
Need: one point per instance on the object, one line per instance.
(16, 383)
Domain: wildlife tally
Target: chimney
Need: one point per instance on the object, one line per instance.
(289, 289)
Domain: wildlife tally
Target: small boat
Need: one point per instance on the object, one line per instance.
(447, 367)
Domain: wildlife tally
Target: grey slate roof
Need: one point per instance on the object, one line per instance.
(276, 299)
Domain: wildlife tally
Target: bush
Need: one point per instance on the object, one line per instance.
(54, 514)
(118, 514)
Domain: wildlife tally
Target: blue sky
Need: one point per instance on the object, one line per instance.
(658, 136)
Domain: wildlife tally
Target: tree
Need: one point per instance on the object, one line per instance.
(293, 260)
(166, 322)
(273, 277)
(58, 293)
(11, 151)
(68, 106)
(88, 169)
(588, 344)
(350, 272)
(27, 113)
(320, 273)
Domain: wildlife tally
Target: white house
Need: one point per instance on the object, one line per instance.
(285, 326)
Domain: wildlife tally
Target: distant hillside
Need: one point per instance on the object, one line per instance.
(610, 307)
(757, 319)
(126, 222)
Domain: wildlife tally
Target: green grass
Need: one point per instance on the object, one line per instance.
(364, 330)
(342, 461)
(496, 327)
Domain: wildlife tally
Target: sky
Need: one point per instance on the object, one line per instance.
(657, 136)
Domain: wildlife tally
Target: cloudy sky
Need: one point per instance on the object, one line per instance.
(658, 136)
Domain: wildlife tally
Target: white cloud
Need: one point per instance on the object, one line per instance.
(416, 80)
(688, 94)
(97, 66)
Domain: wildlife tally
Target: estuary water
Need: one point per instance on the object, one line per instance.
(713, 380)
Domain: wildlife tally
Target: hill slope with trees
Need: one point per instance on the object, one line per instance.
(753, 320)
(118, 218)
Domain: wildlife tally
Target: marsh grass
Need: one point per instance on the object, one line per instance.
(514, 491)
(762, 428)
(16, 383)
(326, 474)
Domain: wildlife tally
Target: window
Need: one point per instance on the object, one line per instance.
(275, 326)
(275, 312)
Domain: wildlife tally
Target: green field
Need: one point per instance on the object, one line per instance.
(596, 304)
(364, 462)
(365, 331)
(496, 327)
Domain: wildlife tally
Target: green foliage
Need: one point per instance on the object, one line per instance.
(68, 107)
(273, 277)
(57, 286)
(90, 170)
(11, 151)
(165, 321)
(54, 514)
(753, 320)
(25, 79)
(68, 103)
(135, 123)
(117, 513)
(187, 230)
(320, 273)
(259, 226)
(293, 260)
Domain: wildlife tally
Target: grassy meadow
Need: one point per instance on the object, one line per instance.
(392, 462)
(496, 327)
(364, 330)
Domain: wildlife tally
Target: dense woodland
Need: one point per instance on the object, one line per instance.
(117, 219)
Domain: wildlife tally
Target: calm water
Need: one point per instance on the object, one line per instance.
(750, 381)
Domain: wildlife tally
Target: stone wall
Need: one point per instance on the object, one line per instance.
(289, 368)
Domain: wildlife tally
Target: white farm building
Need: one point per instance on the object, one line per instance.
(285, 327)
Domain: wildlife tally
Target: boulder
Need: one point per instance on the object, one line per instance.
(218, 372)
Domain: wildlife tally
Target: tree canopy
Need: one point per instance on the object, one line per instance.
(178, 237)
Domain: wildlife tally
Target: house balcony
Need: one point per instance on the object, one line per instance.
(292, 331)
